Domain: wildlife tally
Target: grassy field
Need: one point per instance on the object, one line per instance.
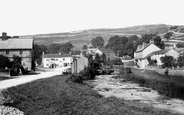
(87, 35)
(56, 96)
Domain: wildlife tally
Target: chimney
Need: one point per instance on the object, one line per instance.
(144, 44)
(4, 36)
(151, 41)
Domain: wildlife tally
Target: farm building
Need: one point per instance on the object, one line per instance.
(21, 47)
(79, 64)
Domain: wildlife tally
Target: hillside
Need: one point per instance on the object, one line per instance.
(79, 38)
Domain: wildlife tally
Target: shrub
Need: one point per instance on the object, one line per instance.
(75, 78)
(89, 73)
(13, 72)
(4, 61)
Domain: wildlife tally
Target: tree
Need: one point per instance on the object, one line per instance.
(158, 42)
(76, 52)
(180, 45)
(117, 44)
(98, 42)
(37, 54)
(66, 48)
(129, 48)
(173, 27)
(103, 59)
(149, 37)
(168, 61)
(152, 62)
(132, 38)
(180, 61)
(4, 62)
(84, 47)
(55, 48)
(16, 65)
(17, 62)
(168, 35)
(117, 61)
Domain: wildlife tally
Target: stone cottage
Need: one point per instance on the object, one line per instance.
(21, 47)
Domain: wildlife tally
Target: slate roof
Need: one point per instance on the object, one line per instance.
(140, 50)
(56, 55)
(179, 49)
(157, 53)
(16, 43)
(103, 50)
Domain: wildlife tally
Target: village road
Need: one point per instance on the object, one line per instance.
(28, 78)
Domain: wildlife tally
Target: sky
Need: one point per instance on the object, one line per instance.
(28, 17)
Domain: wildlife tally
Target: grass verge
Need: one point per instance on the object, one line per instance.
(56, 96)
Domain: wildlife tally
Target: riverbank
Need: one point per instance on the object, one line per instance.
(56, 95)
(171, 86)
(109, 85)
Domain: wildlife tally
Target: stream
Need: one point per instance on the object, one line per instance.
(108, 86)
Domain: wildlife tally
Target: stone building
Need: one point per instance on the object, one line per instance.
(110, 54)
(79, 64)
(21, 47)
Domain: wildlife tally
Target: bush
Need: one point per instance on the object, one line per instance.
(14, 72)
(4, 61)
(87, 74)
(76, 78)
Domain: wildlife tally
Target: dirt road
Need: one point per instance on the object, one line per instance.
(28, 78)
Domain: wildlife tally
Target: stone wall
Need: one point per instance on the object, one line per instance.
(24, 54)
(174, 72)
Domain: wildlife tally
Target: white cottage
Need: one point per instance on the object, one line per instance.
(161, 53)
(143, 51)
(57, 60)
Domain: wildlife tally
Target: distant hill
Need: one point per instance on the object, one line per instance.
(79, 38)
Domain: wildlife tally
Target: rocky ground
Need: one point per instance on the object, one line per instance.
(108, 86)
(5, 110)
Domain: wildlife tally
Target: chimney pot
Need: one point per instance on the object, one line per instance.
(4, 36)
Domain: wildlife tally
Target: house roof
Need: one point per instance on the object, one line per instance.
(179, 49)
(16, 43)
(140, 50)
(103, 50)
(157, 53)
(56, 55)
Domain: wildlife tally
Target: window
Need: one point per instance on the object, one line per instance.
(21, 51)
(47, 64)
(63, 58)
(53, 59)
(56, 59)
(7, 52)
(65, 64)
(47, 59)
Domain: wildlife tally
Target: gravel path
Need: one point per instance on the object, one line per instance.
(28, 78)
